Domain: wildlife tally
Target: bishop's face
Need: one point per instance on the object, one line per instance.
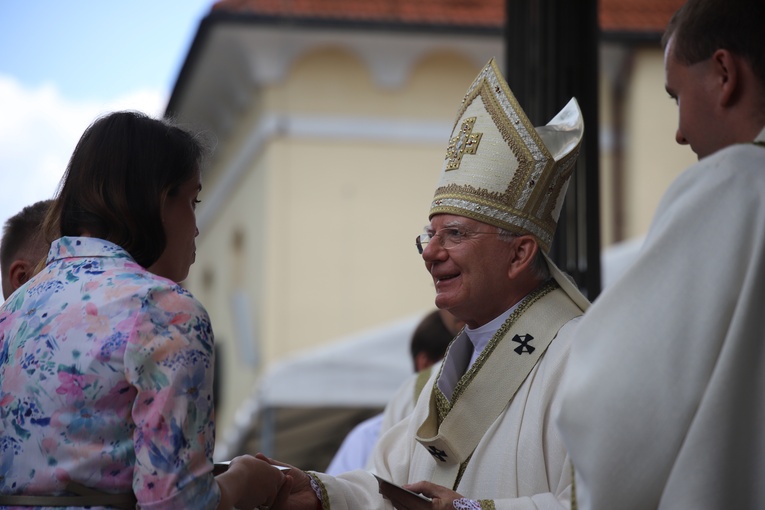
(470, 277)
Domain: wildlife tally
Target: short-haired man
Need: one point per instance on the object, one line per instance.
(481, 434)
(664, 402)
(402, 402)
(431, 337)
(22, 246)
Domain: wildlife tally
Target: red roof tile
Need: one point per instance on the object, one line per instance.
(614, 15)
(434, 12)
(636, 15)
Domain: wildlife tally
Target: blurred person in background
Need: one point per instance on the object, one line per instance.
(23, 246)
(429, 341)
(402, 402)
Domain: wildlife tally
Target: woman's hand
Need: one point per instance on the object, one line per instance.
(250, 483)
(300, 495)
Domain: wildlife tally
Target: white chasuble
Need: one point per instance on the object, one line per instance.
(665, 395)
(402, 403)
(518, 460)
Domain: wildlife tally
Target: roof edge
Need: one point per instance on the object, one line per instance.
(219, 18)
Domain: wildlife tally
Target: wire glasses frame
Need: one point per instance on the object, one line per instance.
(448, 237)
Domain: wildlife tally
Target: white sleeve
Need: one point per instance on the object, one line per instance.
(356, 449)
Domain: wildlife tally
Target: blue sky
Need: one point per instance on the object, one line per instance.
(65, 62)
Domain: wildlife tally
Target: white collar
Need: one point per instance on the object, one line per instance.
(482, 335)
(453, 367)
(761, 136)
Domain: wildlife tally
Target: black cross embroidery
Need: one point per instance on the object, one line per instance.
(439, 454)
(524, 341)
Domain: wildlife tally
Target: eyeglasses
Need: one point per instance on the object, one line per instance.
(448, 237)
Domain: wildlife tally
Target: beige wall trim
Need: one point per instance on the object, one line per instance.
(271, 50)
(333, 128)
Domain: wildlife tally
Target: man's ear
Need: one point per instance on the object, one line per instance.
(725, 65)
(421, 361)
(526, 248)
(19, 272)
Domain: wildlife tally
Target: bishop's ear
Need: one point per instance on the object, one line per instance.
(526, 249)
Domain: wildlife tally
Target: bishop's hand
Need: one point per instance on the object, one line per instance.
(301, 495)
(441, 497)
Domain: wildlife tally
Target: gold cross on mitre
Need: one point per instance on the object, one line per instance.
(466, 142)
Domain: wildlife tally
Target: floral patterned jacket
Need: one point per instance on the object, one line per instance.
(106, 377)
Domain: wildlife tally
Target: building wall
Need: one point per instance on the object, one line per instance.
(607, 161)
(653, 158)
(637, 143)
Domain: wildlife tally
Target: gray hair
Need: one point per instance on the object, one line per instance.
(539, 267)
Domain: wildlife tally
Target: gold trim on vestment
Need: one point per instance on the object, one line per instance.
(574, 505)
(323, 489)
(442, 402)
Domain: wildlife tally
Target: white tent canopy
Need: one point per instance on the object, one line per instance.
(363, 369)
(360, 371)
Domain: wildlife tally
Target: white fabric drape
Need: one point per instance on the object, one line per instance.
(664, 401)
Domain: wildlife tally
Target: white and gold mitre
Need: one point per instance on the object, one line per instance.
(501, 170)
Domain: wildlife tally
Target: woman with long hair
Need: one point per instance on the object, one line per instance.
(106, 363)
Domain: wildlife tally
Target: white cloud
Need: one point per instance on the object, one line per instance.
(38, 131)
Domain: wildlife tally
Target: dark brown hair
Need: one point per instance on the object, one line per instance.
(121, 169)
(431, 337)
(701, 27)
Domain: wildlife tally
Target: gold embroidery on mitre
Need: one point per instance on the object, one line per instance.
(493, 207)
(466, 142)
(486, 206)
(522, 192)
(554, 190)
(521, 204)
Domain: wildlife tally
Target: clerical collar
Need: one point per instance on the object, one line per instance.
(760, 139)
(454, 366)
(481, 335)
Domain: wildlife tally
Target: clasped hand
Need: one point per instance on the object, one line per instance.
(300, 495)
(251, 483)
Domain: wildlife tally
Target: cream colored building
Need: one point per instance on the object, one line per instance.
(649, 159)
(330, 138)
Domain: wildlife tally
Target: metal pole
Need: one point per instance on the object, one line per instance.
(552, 55)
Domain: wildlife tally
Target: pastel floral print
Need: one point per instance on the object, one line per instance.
(106, 380)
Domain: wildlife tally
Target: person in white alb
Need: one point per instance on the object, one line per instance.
(428, 345)
(482, 433)
(664, 401)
